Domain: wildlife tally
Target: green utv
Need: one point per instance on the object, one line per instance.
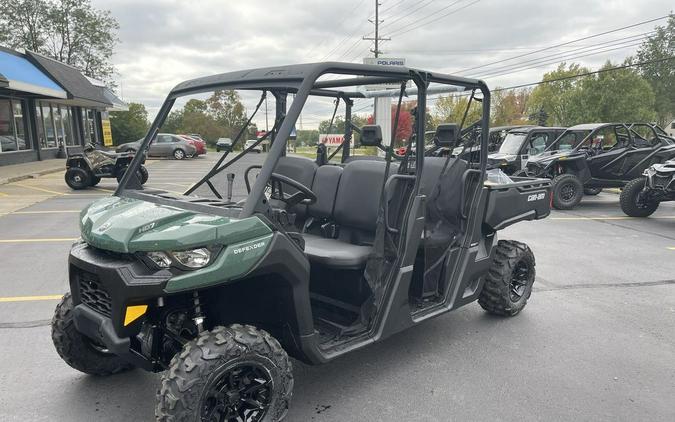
(314, 262)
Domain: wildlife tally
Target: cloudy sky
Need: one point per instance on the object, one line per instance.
(166, 41)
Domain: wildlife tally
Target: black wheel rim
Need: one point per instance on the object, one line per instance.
(519, 281)
(567, 192)
(240, 392)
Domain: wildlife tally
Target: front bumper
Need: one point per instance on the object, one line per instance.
(103, 285)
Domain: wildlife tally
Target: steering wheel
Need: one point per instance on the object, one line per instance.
(303, 196)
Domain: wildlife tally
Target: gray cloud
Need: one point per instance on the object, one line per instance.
(166, 41)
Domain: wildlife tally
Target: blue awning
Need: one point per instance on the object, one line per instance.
(22, 75)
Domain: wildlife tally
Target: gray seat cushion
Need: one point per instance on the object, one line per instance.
(335, 253)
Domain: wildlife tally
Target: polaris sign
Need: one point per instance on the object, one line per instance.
(383, 61)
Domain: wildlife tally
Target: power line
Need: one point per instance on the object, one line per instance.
(311, 50)
(563, 44)
(624, 42)
(425, 17)
(409, 13)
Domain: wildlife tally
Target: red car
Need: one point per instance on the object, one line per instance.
(198, 143)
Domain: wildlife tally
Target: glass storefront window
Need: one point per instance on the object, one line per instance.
(7, 141)
(12, 126)
(20, 125)
(68, 126)
(50, 132)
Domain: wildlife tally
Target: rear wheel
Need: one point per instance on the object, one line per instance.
(79, 351)
(592, 191)
(95, 180)
(230, 373)
(567, 191)
(77, 178)
(509, 281)
(633, 201)
(178, 154)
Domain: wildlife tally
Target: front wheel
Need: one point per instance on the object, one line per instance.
(229, 373)
(178, 154)
(509, 281)
(144, 174)
(633, 201)
(79, 351)
(567, 191)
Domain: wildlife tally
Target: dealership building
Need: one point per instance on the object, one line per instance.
(47, 107)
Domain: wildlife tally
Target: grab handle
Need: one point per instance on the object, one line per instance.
(387, 188)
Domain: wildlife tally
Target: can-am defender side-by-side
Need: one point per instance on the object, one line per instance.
(641, 196)
(596, 156)
(88, 166)
(316, 261)
(520, 144)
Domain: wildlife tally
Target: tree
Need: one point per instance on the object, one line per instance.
(558, 99)
(451, 109)
(509, 107)
(620, 95)
(404, 127)
(307, 138)
(129, 125)
(70, 31)
(661, 74)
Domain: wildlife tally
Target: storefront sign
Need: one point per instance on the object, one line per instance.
(107, 133)
(332, 140)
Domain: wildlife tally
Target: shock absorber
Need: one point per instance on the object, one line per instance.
(199, 317)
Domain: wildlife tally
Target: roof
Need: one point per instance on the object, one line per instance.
(296, 73)
(588, 126)
(531, 128)
(117, 103)
(18, 74)
(72, 80)
(507, 128)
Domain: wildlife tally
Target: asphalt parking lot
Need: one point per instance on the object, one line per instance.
(596, 341)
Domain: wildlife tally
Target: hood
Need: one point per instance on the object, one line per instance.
(500, 156)
(667, 167)
(130, 225)
(548, 156)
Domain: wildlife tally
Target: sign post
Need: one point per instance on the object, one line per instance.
(383, 104)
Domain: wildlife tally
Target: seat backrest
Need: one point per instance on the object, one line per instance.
(358, 195)
(325, 188)
(299, 169)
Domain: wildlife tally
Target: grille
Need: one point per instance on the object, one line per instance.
(660, 181)
(93, 294)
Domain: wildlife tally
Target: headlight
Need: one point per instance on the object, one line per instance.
(188, 260)
(195, 258)
(161, 259)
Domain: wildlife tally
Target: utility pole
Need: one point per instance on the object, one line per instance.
(377, 38)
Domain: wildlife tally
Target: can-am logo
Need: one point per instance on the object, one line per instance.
(248, 248)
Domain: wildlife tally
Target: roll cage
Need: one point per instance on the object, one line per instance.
(631, 136)
(302, 81)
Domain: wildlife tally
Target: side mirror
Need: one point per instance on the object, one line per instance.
(446, 135)
(371, 136)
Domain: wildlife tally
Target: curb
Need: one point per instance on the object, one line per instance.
(30, 176)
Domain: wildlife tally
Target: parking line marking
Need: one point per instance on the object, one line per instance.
(4, 194)
(672, 248)
(55, 239)
(29, 298)
(45, 212)
(669, 217)
(41, 189)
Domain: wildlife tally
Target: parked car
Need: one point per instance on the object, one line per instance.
(597, 155)
(223, 144)
(10, 143)
(164, 145)
(520, 144)
(250, 143)
(199, 144)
